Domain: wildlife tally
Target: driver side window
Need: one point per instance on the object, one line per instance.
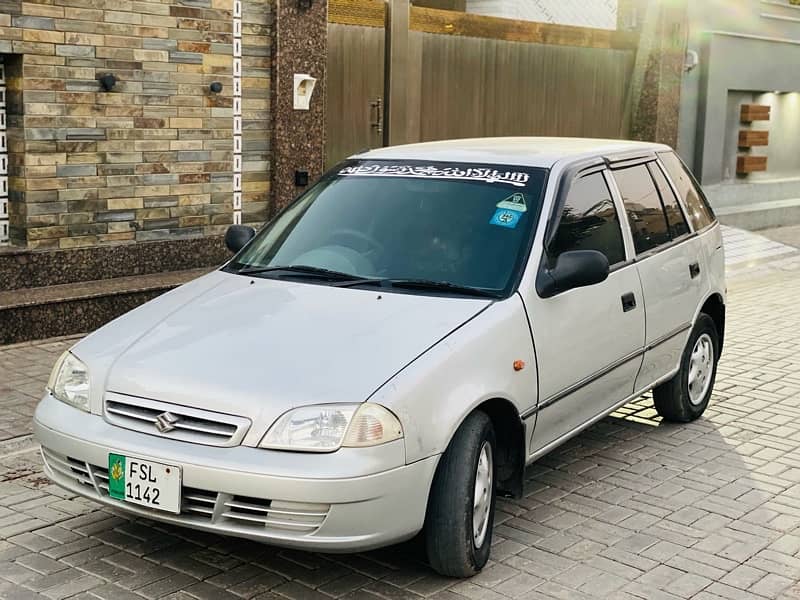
(590, 221)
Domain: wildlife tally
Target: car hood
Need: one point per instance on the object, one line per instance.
(258, 347)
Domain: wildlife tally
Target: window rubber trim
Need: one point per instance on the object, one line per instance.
(523, 264)
(674, 241)
(673, 188)
(625, 161)
(696, 184)
(568, 175)
(645, 163)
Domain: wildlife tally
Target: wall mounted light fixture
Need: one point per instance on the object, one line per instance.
(304, 4)
(215, 87)
(691, 61)
(107, 82)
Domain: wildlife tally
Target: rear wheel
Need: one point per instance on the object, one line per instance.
(458, 527)
(685, 397)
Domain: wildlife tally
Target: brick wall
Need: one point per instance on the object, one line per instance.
(151, 159)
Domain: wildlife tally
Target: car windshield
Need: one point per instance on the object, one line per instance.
(460, 225)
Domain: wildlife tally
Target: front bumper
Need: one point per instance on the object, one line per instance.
(350, 500)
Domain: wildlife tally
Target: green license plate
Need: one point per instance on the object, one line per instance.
(144, 482)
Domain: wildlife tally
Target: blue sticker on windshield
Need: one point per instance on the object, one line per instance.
(506, 218)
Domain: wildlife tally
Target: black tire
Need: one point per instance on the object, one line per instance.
(672, 398)
(449, 538)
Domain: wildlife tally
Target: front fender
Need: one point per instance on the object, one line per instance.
(475, 363)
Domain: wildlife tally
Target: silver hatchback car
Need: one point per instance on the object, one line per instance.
(393, 349)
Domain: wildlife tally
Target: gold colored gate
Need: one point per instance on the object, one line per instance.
(354, 103)
(459, 75)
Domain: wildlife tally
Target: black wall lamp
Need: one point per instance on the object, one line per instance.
(107, 82)
(215, 87)
(304, 4)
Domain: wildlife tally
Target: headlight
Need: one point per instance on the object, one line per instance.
(69, 382)
(328, 427)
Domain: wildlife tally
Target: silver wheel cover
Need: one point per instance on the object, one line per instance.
(701, 366)
(482, 502)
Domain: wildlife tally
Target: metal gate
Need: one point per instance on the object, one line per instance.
(462, 75)
(355, 80)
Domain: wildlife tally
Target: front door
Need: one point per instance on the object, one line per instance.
(589, 341)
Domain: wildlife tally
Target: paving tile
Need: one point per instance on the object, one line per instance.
(632, 508)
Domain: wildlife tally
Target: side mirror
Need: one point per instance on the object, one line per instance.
(577, 268)
(237, 237)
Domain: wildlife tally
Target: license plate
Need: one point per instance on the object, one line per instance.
(144, 482)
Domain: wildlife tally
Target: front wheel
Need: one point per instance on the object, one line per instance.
(685, 397)
(458, 525)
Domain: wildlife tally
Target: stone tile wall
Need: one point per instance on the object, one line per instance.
(152, 159)
(659, 67)
(300, 46)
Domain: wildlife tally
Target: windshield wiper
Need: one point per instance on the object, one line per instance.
(302, 269)
(427, 285)
(440, 286)
(349, 280)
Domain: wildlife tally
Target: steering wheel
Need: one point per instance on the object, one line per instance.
(359, 236)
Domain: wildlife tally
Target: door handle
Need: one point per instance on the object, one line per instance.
(628, 302)
(376, 122)
(694, 269)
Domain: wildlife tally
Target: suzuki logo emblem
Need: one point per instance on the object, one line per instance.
(166, 422)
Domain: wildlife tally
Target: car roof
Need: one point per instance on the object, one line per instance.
(523, 151)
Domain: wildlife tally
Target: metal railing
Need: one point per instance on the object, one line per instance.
(3, 160)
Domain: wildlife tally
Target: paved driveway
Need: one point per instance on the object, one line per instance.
(632, 508)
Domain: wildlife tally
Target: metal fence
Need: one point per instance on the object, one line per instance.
(470, 75)
(476, 87)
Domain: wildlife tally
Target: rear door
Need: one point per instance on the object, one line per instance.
(701, 218)
(589, 340)
(670, 264)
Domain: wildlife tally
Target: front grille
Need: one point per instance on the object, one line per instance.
(204, 506)
(274, 514)
(198, 502)
(188, 424)
(100, 475)
(69, 468)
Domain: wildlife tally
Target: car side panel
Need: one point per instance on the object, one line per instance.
(433, 394)
(671, 298)
(714, 256)
(589, 350)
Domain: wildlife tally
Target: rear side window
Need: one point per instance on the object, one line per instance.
(643, 205)
(589, 221)
(699, 212)
(675, 219)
